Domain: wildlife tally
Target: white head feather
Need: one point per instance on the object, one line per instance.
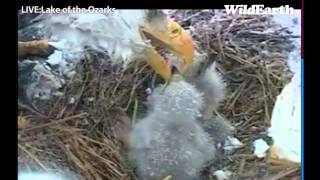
(117, 32)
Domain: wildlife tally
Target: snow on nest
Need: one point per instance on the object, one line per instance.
(39, 176)
(260, 148)
(49, 77)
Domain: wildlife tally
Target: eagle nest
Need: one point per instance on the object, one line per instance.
(79, 133)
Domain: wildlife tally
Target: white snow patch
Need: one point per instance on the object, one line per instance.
(292, 21)
(55, 58)
(222, 175)
(39, 176)
(232, 143)
(72, 100)
(260, 148)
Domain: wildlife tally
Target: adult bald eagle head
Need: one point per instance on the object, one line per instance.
(127, 35)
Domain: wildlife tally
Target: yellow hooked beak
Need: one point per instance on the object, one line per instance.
(181, 43)
(172, 36)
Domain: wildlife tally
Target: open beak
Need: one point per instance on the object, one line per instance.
(173, 38)
(158, 63)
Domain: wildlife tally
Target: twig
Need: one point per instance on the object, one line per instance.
(33, 157)
(109, 163)
(31, 110)
(241, 167)
(284, 174)
(192, 16)
(237, 95)
(56, 122)
(56, 103)
(79, 95)
(240, 60)
(135, 111)
(133, 90)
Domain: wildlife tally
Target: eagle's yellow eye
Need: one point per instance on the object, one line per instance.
(175, 31)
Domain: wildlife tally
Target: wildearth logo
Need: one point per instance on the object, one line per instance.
(258, 9)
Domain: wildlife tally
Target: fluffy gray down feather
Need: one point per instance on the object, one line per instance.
(169, 141)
